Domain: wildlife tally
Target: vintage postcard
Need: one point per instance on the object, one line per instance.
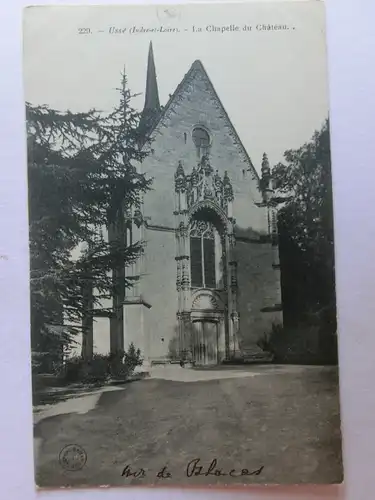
(183, 312)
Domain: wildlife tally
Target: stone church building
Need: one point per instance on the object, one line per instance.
(209, 279)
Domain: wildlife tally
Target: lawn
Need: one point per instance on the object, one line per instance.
(284, 425)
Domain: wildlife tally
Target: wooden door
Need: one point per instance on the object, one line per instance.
(205, 343)
(210, 336)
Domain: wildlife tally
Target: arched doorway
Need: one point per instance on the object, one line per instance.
(207, 335)
(206, 269)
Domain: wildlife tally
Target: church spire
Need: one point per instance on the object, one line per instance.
(152, 94)
(151, 110)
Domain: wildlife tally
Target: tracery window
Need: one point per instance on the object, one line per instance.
(202, 255)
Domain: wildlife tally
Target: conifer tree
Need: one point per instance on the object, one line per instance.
(83, 175)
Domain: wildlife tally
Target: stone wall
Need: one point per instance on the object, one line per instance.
(158, 289)
(173, 142)
(258, 291)
(150, 320)
(258, 281)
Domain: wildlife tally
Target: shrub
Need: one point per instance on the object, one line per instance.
(36, 361)
(132, 358)
(93, 371)
(269, 341)
(124, 363)
(71, 370)
(96, 370)
(304, 343)
(45, 362)
(101, 367)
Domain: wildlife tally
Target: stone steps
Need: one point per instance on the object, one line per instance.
(257, 358)
(252, 355)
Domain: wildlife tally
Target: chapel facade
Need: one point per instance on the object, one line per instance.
(208, 283)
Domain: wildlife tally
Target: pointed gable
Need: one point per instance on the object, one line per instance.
(198, 72)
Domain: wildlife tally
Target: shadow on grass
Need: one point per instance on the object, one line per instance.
(50, 395)
(55, 395)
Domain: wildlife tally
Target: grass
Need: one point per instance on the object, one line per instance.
(285, 422)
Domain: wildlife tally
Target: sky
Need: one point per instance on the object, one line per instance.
(272, 83)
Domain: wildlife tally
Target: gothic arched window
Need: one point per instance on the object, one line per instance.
(201, 140)
(202, 255)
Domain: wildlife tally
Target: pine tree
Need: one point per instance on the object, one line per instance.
(82, 172)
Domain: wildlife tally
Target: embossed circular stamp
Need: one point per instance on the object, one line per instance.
(168, 13)
(72, 457)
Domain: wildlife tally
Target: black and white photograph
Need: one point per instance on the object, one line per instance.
(182, 263)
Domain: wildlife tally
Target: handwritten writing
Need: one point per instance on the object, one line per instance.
(138, 473)
(164, 473)
(193, 468)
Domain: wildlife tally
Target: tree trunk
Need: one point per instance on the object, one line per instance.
(88, 321)
(117, 234)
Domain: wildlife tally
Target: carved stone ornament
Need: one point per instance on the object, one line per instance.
(204, 184)
(180, 179)
(205, 301)
(199, 228)
(183, 230)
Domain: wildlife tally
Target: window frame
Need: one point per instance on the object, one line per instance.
(201, 150)
(201, 237)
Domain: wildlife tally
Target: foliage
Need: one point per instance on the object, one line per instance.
(304, 187)
(296, 344)
(101, 367)
(266, 342)
(82, 177)
(132, 357)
